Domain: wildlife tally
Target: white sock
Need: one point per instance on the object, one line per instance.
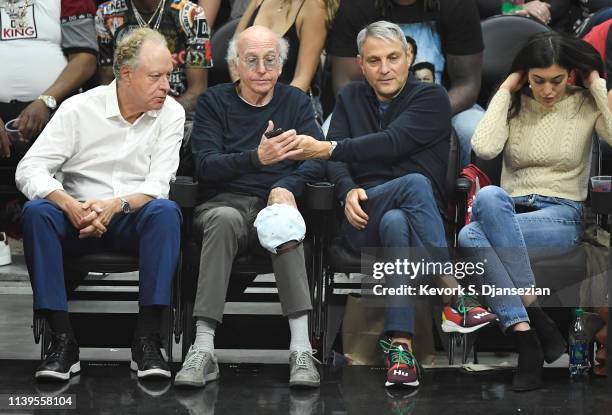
(205, 334)
(298, 324)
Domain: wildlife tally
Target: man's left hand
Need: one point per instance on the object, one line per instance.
(312, 148)
(281, 195)
(33, 119)
(105, 209)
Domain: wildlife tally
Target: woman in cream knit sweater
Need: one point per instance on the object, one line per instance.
(544, 127)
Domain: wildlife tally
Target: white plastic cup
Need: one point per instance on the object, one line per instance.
(19, 144)
(12, 131)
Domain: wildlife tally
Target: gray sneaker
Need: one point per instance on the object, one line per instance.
(302, 370)
(199, 367)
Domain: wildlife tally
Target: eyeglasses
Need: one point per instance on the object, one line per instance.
(270, 62)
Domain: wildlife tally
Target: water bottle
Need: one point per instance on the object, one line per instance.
(578, 347)
(512, 6)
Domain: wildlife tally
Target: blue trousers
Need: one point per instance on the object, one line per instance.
(402, 213)
(506, 235)
(152, 233)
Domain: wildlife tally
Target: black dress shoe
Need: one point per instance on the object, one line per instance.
(147, 360)
(62, 359)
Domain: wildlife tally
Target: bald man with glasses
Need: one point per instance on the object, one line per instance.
(241, 171)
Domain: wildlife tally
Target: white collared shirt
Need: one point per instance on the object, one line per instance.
(98, 154)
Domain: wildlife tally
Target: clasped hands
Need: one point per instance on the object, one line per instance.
(290, 146)
(92, 216)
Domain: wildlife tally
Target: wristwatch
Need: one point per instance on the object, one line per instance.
(125, 206)
(332, 147)
(49, 101)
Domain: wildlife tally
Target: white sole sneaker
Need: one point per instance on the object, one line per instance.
(450, 327)
(211, 377)
(410, 384)
(304, 384)
(153, 373)
(49, 374)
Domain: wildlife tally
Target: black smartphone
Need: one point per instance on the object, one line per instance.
(274, 133)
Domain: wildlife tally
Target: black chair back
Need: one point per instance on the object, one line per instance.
(452, 170)
(503, 37)
(219, 42)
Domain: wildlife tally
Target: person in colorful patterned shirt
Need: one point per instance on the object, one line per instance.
(185, 28)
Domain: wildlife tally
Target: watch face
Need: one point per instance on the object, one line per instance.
(50, 102)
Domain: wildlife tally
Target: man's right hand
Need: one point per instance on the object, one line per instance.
(276, 149)
(78, 216)
(355, 215)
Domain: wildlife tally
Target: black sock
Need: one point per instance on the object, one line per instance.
(149, 320)
(59, 322)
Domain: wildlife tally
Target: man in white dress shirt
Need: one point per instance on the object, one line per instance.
(116, 149)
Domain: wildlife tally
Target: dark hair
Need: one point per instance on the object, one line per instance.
(424, 65)
(412, 43)
(385, 7)
(549, 48)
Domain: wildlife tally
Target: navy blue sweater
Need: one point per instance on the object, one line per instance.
(413, 136)
(226, 134)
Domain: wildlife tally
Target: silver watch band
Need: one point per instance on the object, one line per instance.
(332, 147)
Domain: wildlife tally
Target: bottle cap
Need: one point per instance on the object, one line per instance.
(579, 312)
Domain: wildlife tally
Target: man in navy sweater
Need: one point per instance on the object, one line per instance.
(241, 171)
(388, 158)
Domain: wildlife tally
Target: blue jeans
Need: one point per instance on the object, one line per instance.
(465, 124)
(402, 213)
(152, 232)
(506, 235)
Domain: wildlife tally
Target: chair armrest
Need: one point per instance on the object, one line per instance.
(184, 191)
(462, 185)
(601, 202)
(320, 196)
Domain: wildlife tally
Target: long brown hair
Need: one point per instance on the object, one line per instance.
(331, 6)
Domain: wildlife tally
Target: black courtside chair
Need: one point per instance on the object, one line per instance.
(245, 292)
(97, 299)
(503, 37)
(332, 256)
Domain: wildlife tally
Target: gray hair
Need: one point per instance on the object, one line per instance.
(382, 30)
(127, 51)
(232, 49)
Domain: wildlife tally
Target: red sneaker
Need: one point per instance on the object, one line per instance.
(403, 370)
(467, 316)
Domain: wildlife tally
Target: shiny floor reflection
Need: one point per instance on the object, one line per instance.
(110, 388)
